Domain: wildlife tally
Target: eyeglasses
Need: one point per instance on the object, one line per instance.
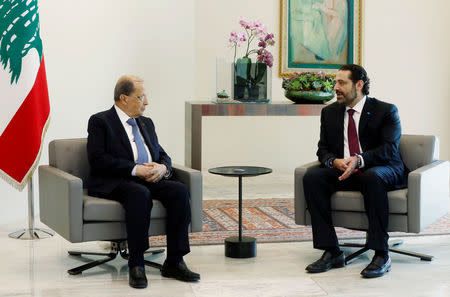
(142, 98)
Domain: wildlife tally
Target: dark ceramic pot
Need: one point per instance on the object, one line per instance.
(309, 97)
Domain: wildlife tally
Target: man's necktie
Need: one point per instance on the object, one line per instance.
(352, 135)
(142, 153)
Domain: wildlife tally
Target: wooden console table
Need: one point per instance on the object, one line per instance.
(195, 110)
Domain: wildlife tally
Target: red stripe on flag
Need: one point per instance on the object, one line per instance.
(21, 141)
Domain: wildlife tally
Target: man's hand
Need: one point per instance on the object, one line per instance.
(157, 172)
(350, 163)
(340, 164)
(143, 171)
(151, 172)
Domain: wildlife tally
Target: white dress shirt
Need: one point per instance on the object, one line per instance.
(129, 129)
(356, 116)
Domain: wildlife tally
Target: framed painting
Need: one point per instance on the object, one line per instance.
(319, 35)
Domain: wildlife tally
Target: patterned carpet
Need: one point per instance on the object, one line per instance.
(269, 220)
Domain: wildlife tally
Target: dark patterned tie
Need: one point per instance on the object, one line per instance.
(142, 153)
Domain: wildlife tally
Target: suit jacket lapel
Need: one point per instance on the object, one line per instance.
(117, 126)
(144, 133)
(340, 129)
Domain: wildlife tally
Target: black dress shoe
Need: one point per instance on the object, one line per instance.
(378, 267)
(326, 262)
(137, 278)
(179, 271)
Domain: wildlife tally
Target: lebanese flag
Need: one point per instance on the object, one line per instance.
(25, 108)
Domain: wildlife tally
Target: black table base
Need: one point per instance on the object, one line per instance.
(240, 246)
(240, 249)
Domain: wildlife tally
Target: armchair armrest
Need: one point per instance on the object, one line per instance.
(193, 180)
(61, 202)
(299, 195)
(428, 194)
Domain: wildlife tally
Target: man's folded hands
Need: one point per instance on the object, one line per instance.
(151, 172)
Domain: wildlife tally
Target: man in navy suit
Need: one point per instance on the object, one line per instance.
(128, 165)
(358, 150)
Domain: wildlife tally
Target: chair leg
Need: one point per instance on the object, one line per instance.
(363, 249)
(125, 255)
(423, 257)
(80, 253)
(154, 252)
(116, 246)
(80, 269)
(392, 248)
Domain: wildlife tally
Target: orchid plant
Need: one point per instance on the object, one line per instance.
(253, 31)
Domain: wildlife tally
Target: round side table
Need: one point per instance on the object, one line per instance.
(240, 246)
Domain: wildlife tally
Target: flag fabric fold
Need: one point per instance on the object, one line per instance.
(25, 107)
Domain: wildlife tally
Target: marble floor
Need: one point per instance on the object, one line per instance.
(38, 268)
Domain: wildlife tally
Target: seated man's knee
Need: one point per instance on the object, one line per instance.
(371, 177)
(311, 176)
(181, 192)
(142, 196)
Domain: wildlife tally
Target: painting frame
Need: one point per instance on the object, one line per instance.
(353, 44)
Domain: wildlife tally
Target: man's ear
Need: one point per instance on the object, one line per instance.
(122, 98)
(359, 85)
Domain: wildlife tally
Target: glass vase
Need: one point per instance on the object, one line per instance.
(252, 82)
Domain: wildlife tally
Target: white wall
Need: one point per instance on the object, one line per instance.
(409, 61)
(173, 44)
(406, 55)
(88, 45)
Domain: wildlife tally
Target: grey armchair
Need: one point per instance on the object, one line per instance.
(410, 210)
(66, 207)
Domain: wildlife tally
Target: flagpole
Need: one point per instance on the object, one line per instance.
(31, 232)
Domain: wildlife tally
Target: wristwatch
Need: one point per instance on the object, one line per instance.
(330, 161)
(359, 160)
(167, 174)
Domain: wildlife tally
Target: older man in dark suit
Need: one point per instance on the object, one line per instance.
(128, 165)
(358, 149)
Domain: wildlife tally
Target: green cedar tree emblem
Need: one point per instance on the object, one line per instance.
(19, 32)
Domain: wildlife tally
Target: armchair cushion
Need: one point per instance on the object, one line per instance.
(104, 210)
(354, 201)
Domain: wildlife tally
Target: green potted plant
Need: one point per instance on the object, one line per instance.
(309, 87)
